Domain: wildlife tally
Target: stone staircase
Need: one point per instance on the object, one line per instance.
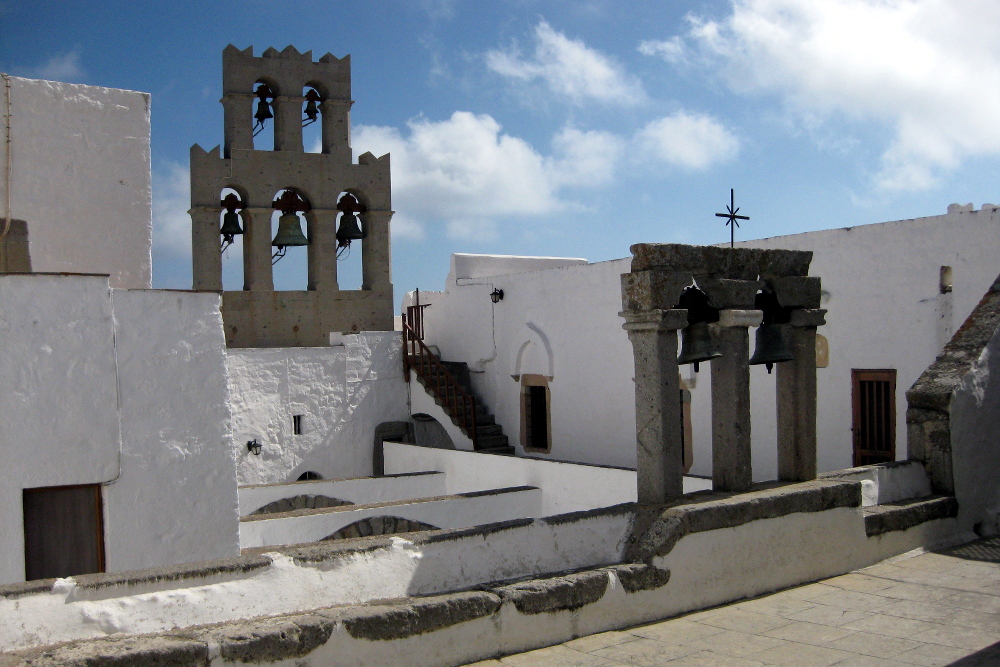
(489, 435)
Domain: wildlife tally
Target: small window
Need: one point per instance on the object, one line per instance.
(63, 531)
(536, 429)
(874, 423)
(297, 424)
(945, 283)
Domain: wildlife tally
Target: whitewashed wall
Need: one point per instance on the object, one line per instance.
(58, 400)
(343, 393)
(81, 178)
(559, 322)
(175, 501)
(885, 311)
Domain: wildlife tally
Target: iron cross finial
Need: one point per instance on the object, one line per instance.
(732, 218)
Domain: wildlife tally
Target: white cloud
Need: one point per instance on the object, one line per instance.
(672, 50)
(570, 68)
(468, 174)
(928, 68)
(60, 67)
(404, 227)
(171, 201)
(691, 141)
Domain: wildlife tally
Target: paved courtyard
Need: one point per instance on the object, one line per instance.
(939, 608)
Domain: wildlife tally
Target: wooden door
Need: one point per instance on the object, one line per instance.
(63, 531)
(874, 405)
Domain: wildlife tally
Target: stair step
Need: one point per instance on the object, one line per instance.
(500, 451)
(486, 442)
(905, 514)
(487, 429)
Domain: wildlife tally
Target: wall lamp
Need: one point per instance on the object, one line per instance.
(496, 295)
(254, 447)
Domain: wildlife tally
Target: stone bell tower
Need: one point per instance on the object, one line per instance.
(272, 92)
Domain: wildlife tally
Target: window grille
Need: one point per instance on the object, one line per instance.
(874, 403)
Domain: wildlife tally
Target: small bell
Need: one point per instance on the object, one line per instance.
(230, 226)
(349, 229)
(697, 345)
(263, 111)
(289, 232)
(311, 110)
(770, 347)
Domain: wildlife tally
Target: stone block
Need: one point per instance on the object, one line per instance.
(653, 289)
(740, 318)
(734, 263)
(808, 317)
(778, 263)
(728, 293)
(797, 291)
(666, 320)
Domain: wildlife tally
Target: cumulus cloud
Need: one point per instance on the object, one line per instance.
(691, 141)
(171, 201)
(569, 68)
(467, 173)
(927, 68)
(60, 67)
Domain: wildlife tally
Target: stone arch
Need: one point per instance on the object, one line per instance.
(300, 502)
(264, 136)
(233, 270)
(379, 525)
(294, 270)
(351, 258)
(535, 354)
(313, 96)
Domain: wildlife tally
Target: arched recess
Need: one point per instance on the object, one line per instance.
(232, 254)
(353, 207)
(312, 117)
(262, 110)
(428, 432)
(291, 270)
(379, 525)
(534, 355)
(300, 502)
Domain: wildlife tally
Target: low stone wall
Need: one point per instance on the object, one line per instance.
(357, 491)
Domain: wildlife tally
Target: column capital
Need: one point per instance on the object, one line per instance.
(654, 320)
(732, 317)
(808, 317)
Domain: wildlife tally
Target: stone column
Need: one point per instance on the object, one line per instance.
(206, 244)
(376, 251)
(321, 226)
(796, 389)
(238, 118)
(731, 467)
(659, 437)
(337, 128)
(257, 274)
(288, 123)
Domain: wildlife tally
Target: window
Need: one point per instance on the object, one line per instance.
(63, 531)
(297, 424)
(874, 408)
(536, 427)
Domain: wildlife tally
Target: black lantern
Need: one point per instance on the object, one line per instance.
(253, 446)
(496, 296)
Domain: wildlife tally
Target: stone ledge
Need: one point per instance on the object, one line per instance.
(414, 617)
(561, 593)
(905, 514)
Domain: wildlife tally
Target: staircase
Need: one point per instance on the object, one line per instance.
(448, 382)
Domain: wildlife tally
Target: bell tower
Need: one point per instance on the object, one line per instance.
(265, 94)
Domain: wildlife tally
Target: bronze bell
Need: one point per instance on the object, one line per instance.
(349, 229)
(230, 226)
(770, 347)
(697, 345)
(289, 232)
(263, 111)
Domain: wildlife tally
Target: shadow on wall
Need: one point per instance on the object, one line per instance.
(14, 254)
(428, 432)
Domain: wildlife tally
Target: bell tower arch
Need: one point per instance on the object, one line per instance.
(279, 92)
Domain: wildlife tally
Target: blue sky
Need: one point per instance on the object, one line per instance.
(574, 128)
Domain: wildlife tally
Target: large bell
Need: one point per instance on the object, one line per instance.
(263, 111)
(289, 232)
(770, 347)
(230, 226)
(697, 345)
(349, 229)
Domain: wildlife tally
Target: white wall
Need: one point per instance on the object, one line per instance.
(81, 178)
(58, 399)
(175, 501)
(885, 311)
(343, 393)
(560, 322)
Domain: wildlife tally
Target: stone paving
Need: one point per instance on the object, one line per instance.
(932, 609)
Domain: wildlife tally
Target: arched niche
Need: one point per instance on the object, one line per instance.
(352, 217)
(232, 253)
(263, 112)
(290, 266)
(312, 118)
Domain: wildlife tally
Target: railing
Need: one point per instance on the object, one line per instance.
(418, 357)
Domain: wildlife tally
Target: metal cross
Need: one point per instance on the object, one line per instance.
(731, 214)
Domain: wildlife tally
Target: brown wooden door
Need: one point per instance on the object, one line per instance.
(63, 531)
(874, 405)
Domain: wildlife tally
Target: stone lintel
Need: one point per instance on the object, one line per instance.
(798, 291)
(653, 289)
(728, 293)
(778, 263)
(662, 320)
(808, 317)
(732, 317)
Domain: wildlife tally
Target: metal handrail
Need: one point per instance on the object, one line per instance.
(417, 356)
